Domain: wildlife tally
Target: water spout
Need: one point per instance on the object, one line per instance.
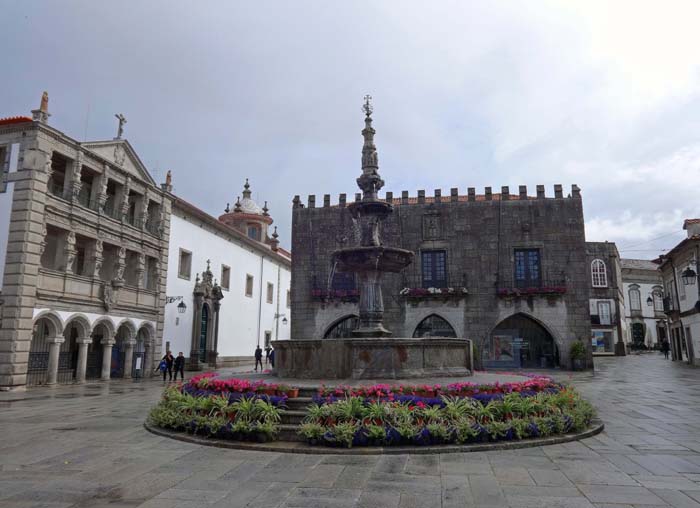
(330, 276)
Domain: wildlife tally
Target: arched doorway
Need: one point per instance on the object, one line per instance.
(116, 369)
(38, 364)
(434, 326)
(68, 355)
(139, 362)
(93, 368)
(520, 342)
(203, 331)
(342, 329)
(638, 335)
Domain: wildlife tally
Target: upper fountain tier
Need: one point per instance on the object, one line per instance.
(371, 255)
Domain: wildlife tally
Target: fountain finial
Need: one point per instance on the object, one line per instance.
(370, 181)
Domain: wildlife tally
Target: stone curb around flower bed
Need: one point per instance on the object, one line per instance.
(596, 427)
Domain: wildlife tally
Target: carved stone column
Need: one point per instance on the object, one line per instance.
(75, 183)
(129, 357)
(148, 359)
(81, 368)
(120, 265)
(140, 269)
(107, 344)
(196, 326)
(125, 199)
(54, 352)
(143, 211)
(97, 259)
(70, 252)
(102, 194)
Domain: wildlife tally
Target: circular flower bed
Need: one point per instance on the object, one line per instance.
(377, 415)
(429, 415)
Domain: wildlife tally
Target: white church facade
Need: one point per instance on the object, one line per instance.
(228, 283)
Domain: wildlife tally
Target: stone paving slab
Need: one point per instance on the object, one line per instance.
(74, 447)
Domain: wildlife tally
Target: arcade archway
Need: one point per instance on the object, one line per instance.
(520, 342)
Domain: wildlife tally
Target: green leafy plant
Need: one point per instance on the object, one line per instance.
(267, 412)
(311, 430)
(376, 412)
(438, 433)
(577, 351)
(497, 430)
(344, 433)
(457, 408)
(519, 426)
(376, 434)
(465, 431)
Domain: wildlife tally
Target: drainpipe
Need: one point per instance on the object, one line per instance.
(277, 311)
(678, 299)
(257, 340)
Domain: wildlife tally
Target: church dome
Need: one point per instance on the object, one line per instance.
(248, 217)
(247, 205)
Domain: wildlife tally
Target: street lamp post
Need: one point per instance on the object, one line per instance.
(277, 324)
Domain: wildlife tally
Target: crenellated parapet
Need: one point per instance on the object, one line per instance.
(454, 196)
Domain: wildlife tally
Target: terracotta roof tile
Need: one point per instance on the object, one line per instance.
(686, 222)
(14, 119)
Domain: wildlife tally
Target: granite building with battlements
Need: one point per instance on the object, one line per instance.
(508, 271)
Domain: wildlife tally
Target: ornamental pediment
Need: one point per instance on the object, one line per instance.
(120, 153)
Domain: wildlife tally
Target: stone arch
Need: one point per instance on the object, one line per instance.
(47, 327)
(434, 325)
(341, 327)
(129, 326)
(522, 340)
(108, 325)
(82, 323)
(53, 320)
(150, 332)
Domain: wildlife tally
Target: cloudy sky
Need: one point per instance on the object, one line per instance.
(466, 94)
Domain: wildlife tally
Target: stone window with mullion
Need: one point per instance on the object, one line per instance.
(434, 268)
(528, 272)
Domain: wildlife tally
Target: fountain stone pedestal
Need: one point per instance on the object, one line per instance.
(377, 358)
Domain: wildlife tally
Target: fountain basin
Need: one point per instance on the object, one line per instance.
(376, 358)
(372, 259)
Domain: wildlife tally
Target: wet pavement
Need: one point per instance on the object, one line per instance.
(86, 447)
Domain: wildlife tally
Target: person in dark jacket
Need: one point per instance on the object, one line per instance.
(272, 358)
(168, 359)
(180, 366)
(665, 347)
(258, 358)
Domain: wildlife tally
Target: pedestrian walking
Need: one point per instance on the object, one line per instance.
(180, 366)
(168, 359)
(272, 358)
(268, 348)
(258, 358)
(665, 347)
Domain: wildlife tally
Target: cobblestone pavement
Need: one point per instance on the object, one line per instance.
(85, 447)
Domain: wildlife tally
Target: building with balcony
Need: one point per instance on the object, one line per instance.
(84, 233)
(607, 303)
(679, 275)
(643, 290)
(508, 271)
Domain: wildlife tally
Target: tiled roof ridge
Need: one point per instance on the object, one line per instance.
(14, 119)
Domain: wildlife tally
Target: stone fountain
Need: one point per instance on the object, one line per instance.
(371, 352)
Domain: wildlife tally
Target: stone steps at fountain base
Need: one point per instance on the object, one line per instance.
(292, 416)
(288, 432)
